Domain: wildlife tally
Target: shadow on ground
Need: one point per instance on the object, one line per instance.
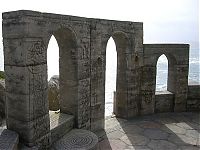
(166, 131)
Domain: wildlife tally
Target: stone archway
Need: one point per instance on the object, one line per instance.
(68, 73)
(122, 47)
(68, 70)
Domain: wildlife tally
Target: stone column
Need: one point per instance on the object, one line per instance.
(97, 77)
(26, 80)
(148, 90)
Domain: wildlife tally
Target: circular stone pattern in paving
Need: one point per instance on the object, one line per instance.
(77, 139)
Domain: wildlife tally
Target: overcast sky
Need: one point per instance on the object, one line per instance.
(165, 21)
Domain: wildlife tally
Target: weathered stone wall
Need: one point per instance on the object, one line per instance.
(178, 58)
(128, 38)
(164, 101)
(82, 50)
(193, 100)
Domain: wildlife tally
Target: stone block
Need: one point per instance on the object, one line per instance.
(25, 51)
(26, 107)
(26, 80)
(193, 99)
(14, 27)
(29, 132)
(60, 124)
(147, 104)
(164, 101)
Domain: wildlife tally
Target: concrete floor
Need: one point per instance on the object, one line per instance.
(166, 131)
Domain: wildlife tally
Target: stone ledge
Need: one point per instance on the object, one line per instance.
(163, 93)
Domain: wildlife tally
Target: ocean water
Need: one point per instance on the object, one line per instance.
(194, 66)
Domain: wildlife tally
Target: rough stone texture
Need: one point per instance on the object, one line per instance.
(60, 124)
(178, 58)
(2, 99)
(77, 139)
(82, 48)
(9, 140)
(193, 101)
(53, 93)
(176, 132)
(164, 101)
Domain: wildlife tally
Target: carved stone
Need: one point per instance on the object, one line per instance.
(82, 60)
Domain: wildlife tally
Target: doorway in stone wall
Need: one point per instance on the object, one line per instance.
(110, 78)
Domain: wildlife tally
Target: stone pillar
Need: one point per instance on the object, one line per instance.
(134, 72)
(121, 85)
(26, 80)
(97, 84)
(84, 77)
(148, 90)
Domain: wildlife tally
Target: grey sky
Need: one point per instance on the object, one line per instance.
(165, 21)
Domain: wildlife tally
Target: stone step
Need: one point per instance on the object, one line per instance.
(60, 124)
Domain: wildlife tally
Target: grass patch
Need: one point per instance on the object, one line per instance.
(2, 75)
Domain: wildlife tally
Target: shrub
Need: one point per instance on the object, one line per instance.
(2, 75)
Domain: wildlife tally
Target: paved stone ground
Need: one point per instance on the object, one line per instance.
(166, 131)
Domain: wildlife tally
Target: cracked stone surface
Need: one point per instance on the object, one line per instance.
(166, 131)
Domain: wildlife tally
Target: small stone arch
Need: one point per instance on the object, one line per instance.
(158, 72)
(172, 62)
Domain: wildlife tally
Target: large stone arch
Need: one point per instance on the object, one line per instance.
(25, 50)
(122, 47)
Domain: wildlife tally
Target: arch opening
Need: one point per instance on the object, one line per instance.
(64, 58)
(53, 74)
(111, 74)
(162, 73)
(120, 51)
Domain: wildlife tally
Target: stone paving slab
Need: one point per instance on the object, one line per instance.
(165, 131)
